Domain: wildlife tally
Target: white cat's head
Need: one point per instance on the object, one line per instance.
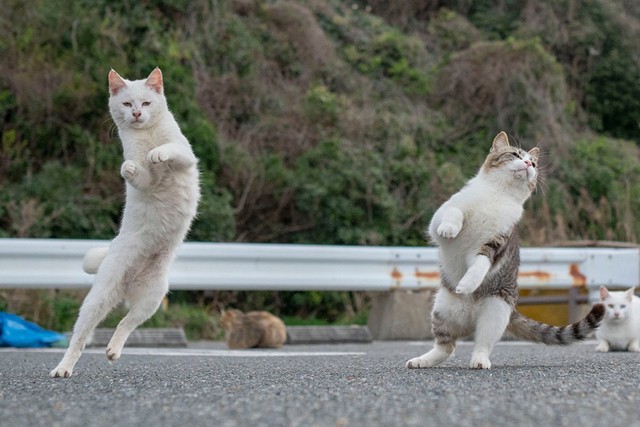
(617, 304)
(511, 165)
(136, 104)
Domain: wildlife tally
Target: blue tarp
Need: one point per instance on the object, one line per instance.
(17, 332)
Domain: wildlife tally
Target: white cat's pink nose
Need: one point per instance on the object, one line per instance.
(136, 114)
(527, 162)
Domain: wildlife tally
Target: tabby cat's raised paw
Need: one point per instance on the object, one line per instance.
(448, 230)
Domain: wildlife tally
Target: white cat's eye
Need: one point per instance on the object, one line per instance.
(610, 305)
(126, 104)
(622, 306)
(146, 103)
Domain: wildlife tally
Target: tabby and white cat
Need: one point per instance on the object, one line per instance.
(620, 329)
(252, 329)
(476, 231)
(162, 193)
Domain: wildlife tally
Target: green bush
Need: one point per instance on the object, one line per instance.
(321, 122)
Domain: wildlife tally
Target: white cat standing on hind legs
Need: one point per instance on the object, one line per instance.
(476, 231)
(162, 194)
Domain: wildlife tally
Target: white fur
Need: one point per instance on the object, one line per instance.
(93, 258)
(488, 319)
(162, 193)
(489, 205)
(620, 329)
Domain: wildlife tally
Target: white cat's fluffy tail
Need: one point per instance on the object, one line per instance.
(93, 258)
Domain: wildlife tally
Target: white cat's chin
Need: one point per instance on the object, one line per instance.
(139, 124)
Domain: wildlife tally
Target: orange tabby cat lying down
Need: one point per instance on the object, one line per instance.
(252, 329)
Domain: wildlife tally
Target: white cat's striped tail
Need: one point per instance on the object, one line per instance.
(530, 330)
(93, 258)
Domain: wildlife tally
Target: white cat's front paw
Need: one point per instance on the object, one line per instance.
(603, 347)
(61, 371)
(158, 155)
(128, 169)
(480, 361)
(634, 347)
(448, 230)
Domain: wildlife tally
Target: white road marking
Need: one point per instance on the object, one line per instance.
(516, 343)
(134, 351)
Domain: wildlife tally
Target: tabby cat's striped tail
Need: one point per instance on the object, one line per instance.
(530, 330)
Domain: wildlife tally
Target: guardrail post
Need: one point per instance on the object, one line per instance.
(574, 312)
(401, 314)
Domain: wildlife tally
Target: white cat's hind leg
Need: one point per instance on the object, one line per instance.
(103, 296)
(493, 319)
(105, 293)
(144, 303)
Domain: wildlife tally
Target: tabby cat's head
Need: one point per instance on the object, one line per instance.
(228, 317)
(512, 165)
(136, 104)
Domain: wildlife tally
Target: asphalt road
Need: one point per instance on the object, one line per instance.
(328, 385)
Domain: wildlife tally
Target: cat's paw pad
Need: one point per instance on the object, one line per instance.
(448, 230)
(128, 169)
(61, 372)
(602, 348)
(480, 361)
(158, 155)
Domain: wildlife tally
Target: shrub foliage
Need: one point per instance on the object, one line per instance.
(321, 121)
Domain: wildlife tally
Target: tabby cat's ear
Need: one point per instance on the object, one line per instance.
(534, 153)
(500, 142)
(154, 81)
(116, 83)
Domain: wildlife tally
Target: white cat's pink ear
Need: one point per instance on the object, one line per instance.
(500, 142)
(604, 293)
(534, 153)
(629, 294)
(116, 83)
(154, 81)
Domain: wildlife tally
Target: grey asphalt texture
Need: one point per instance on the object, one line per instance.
(528, 385)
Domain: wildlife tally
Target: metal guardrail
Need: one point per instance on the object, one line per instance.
(56, 263)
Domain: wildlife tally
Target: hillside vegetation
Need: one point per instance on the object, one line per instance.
(325, 121)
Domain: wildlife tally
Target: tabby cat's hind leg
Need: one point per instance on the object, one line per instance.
(442, 350)
(493, 319)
